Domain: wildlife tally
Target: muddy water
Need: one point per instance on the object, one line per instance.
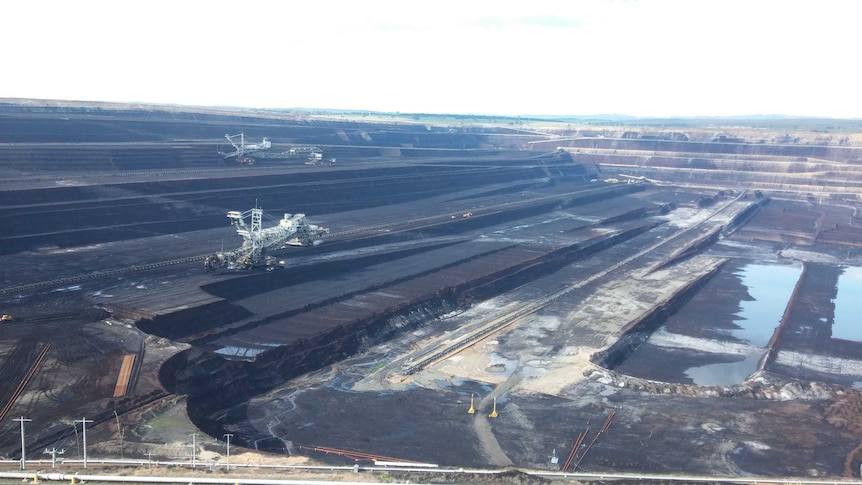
(848, 305)
(718, 337)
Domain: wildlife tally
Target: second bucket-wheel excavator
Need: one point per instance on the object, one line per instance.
(259, 243)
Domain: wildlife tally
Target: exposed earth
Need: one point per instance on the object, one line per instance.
(600, 288)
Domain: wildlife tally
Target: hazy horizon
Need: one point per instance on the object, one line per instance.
(638, 58)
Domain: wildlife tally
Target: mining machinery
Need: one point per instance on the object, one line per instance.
(631, 179)
(241, 148)
(313, 155)
(258, 243)
(246, 150)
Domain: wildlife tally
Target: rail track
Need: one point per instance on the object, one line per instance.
(536, 305)
(69, 280)
(25, 380)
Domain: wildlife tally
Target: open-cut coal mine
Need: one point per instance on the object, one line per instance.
(673, 298)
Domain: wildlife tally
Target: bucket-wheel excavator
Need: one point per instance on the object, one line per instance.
(260, 243)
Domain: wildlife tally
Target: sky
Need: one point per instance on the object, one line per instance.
(650, 58)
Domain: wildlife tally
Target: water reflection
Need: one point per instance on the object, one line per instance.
(723, 374)
(848, 305)
(730, 348)
(770, 287)
(243, 353)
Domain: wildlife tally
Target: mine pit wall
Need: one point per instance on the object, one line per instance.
(627, 216)
(179, 325)
(776, 387)
(127, 312)
(174, 325)
(344, 153)
(721, 162)
(766, 175)
(826, 152)
(636, 332)
(806, 348)
(496, 284)
(774, 343)
(79, 218)
(741, 218)
(706, 240)
(215, 384)
(689, 250)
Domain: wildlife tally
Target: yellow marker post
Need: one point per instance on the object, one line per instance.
(494, 413)
(472, 410)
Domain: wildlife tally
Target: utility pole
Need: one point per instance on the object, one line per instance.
(84, 422)
(228, 436)
(120, 432)
(54, 452)
(149, 459)
(77, 441)
(22, 420)
(194, 447)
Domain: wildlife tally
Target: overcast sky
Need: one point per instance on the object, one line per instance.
(635, 57)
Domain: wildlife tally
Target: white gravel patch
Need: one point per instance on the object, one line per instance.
(663, 338)
(820, 363)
